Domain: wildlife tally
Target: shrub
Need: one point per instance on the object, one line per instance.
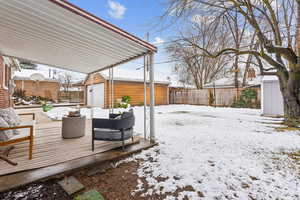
(247, 99)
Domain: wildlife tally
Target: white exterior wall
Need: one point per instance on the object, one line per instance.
(272, 100)
(98, 95)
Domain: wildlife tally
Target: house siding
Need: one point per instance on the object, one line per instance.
(133, 89)
(136, 91)
(5, 96)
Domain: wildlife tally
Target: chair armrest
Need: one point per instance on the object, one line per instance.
(12, 141)
(104, 123)
(33, 115)
(15, 127)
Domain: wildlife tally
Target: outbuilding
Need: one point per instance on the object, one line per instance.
(126, 83)
(272, 99)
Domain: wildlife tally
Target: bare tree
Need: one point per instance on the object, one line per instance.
(276, 24)
(237, 27)
(65, 80)
(191, 63)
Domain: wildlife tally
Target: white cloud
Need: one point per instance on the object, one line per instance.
(116, 10)
(158, 40)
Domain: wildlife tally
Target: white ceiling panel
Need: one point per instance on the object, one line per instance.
(56, 33)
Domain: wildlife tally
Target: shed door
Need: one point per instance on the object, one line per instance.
(98, 95)
(272, 99)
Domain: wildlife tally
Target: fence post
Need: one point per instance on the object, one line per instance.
(215, 96)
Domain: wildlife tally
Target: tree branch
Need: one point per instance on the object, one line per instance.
(287, 53)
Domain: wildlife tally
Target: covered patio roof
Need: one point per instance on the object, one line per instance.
(57, 33)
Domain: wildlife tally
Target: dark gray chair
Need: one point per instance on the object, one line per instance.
(119, 127)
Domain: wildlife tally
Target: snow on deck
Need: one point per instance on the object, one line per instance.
(224, 153)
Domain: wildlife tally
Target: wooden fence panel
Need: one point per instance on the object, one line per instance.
(226, 97)
(223, 96)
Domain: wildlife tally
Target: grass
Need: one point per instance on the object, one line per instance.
(295, 156)
(283, 129)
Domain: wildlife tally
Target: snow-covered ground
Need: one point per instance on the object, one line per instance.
(224, 153)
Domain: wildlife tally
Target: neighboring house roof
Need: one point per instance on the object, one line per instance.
(228, 82)
(270, 78)
(29, 74)
(133, 75)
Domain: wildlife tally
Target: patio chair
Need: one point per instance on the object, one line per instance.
(119, 127)
(23, 135)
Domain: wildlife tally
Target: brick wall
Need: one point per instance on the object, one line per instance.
(5, 99)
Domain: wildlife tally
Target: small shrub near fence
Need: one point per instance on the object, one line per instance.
(247, 99)
(226, 97)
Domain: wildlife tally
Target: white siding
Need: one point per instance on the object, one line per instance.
(272, 100)
(98, 95)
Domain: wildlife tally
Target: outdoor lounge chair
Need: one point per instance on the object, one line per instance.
(23, 135)
(119, 127)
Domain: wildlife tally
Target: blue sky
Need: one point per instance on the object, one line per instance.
(136, 17)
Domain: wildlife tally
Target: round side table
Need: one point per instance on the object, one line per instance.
(73, 127)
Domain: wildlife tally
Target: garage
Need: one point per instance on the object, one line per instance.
(126, 83)
(98, 97)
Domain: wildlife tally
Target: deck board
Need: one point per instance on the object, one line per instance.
(50, 149)
(14, 180)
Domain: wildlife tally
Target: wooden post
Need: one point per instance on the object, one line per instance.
(31, 142)
(215, 97)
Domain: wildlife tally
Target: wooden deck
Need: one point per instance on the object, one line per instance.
(11, 181)
(50, 149)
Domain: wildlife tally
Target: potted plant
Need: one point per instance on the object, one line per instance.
(46, 107)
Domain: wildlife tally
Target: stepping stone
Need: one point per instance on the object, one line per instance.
(90, 195)
(71, 185)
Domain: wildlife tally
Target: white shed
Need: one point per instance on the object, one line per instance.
(272, 100)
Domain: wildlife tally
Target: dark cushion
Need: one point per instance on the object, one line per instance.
(112, 135)
(127, 114)
(114, 116)
(118, 117)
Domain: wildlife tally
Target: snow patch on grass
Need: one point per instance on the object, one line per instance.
(223, 153)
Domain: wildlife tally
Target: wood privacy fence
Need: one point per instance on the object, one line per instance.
(71, 96)
(209, 96)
